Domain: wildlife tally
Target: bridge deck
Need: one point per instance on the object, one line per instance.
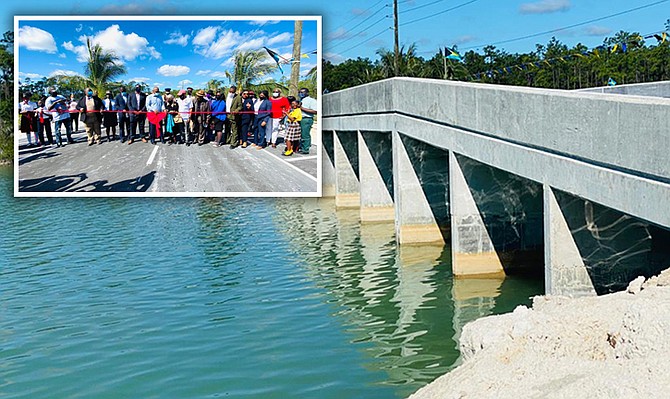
(112, 167)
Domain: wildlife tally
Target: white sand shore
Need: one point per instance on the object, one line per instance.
(612, 346)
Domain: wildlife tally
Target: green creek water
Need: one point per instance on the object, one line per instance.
(205, 298)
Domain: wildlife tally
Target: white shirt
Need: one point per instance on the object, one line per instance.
(257, 105)
(308, 102)
(109, 104)
(185, 106)
(27, 107)
(229, 101)
(63, 106)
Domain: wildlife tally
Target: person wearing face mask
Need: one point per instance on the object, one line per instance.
(185, 104)
(201, 115)
(246, 119)
(233, 106)
(154, 104)
(308, 108)
(109, 116)
(279, 106)
(58, 106)
(137, 106)
(263, 120)
(74, 114)
(90, 106)
(43, 122)
(219, 118)
(121, 100)
(28, 119)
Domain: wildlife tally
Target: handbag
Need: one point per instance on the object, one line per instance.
(281, 129)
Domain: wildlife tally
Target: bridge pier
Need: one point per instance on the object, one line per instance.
(347, 186)
(415, 220)
(376, 176)
(496, 220)
(472, 250)
(595, 250)
(328, 171)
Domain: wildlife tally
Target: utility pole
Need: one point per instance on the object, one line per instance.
(396, 49)
(295, 64)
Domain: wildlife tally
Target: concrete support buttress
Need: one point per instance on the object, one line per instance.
(564, 270)
(347, 186)
(415, 222)
(328, 173)
(376, 202)
(472, 250)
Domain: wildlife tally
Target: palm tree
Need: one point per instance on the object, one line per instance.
(102, 67)
(249, 67)
(409, 64)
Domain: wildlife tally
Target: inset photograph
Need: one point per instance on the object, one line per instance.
(168, 106)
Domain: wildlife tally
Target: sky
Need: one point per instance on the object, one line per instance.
(360, 28)
(163, 53)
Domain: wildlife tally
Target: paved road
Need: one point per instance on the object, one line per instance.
(161, 168)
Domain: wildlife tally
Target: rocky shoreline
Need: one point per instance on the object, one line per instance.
(612, 346)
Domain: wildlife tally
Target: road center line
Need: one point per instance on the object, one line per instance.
(300, 159)
(153, 155)
(293, 166)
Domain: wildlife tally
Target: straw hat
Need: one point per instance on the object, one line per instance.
(200, 93)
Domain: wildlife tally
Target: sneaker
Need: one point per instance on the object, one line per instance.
(288, 153)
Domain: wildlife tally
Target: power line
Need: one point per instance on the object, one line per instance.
(358, 16)
(422, 6)
(441, 12)
(368, 18)
(354, 35)
(569, 27)
(363, 42)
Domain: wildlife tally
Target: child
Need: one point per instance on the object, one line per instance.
(293, 129)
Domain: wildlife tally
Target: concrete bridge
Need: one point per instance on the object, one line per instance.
(572, 185)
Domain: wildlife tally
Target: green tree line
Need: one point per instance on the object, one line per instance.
(557, 66)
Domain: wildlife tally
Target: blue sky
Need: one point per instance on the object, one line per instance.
(164, 53)
(359, 28)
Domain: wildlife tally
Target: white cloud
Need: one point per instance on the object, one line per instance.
(342, 33)
(263, 23)
(62, 55)
(178, 38)
(79, 28)
(281, 38)
(595, 30)
(545, 6)
(230, 62)
(139, 79)
(63, 72)
(333, 57)
(173, 70)
(127, 47)
(226, 42)
(37, 40)
(31, 76)
(184, 82)
(253, 44)
(211, 74)
(205, 36)
(215, 42)
(56, 64)
(464, 39)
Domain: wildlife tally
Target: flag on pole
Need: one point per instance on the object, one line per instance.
(276, 57)
(452, 54)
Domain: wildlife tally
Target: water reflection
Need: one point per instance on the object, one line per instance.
(399, 305)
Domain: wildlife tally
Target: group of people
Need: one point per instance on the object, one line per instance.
(238, 120)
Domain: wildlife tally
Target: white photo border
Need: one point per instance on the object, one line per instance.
(124, 194)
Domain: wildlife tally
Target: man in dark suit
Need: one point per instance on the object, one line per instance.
(124, 119)
(137, 102)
